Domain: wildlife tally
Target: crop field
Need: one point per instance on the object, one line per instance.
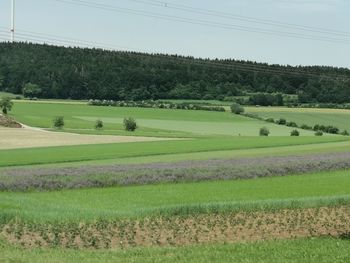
(336, 117)
(185, 186)
(129, 201)
(30, 138)
(167, 122)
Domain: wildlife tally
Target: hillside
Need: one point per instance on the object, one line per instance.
(77, 73)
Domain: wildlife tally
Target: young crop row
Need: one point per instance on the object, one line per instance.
(17, 179)
(183, 230)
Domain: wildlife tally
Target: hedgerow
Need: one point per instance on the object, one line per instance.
(155, 104)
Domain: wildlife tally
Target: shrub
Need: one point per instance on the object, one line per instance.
(130, 124)
(332, 130)
(31, 90)
(306, 127)
(291, 124)
(345, 133)
(294, 133)
(266, 99)
(264, 131)
(270, 120)
(6, 104)
(220, 97)
(319, 133)
(281, 121)
(58, 122)
(156, 104)
(98, 125)
(237, 108)
(208, 97)
(328, 129)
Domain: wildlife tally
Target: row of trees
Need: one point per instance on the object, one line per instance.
(58, 72)
(128, 123)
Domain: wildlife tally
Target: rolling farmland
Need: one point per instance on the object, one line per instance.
(210, 184)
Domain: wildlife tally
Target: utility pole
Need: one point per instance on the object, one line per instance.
(13, 21)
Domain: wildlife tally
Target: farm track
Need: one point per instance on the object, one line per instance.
(184, 230)
(22, 179)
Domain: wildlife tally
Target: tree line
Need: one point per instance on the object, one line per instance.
(46, 71)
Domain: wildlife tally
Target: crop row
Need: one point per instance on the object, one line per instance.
(183, 230)
(18, 179)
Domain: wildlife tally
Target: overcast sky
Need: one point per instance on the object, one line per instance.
(145, 33)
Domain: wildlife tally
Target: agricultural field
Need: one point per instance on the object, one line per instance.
(32, 138)
(336, 117)
(185, 186)
(152, 122)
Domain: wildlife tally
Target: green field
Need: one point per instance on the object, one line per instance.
(63, 154)
(335, 117)
(313, 250)
(117, 202)
(151, 121)
(203, 135)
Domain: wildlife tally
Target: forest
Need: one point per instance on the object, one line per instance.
(46, 71)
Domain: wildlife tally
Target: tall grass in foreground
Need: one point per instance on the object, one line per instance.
(311, 250)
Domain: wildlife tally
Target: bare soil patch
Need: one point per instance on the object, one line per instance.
(30, 138)
(184, 230)
(7, 121)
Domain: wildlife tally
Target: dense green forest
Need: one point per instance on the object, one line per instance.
(46, 71)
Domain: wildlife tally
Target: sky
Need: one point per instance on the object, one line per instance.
(227, 35)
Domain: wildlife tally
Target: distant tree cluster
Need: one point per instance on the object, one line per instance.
(45, 71)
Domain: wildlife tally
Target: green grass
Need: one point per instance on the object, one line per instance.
(331, 147)
(114, 202)
(338, 118)
(151, 121)
(315, 250)
(30, 156)
(11, 95)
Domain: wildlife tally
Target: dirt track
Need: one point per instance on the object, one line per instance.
(11, 138)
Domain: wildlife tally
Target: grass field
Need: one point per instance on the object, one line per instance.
(335, 117)
(62, 154)
(151, 121)
(313, 250)
(116, 202)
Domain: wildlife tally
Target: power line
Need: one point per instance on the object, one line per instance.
(67, 39)
(202, 22)
(222, 64)
(226, 15)
(38, 37)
